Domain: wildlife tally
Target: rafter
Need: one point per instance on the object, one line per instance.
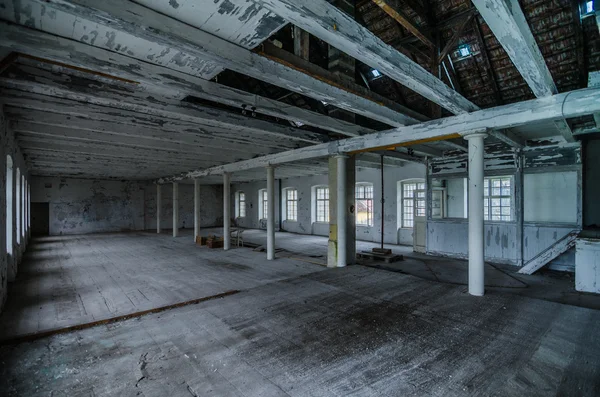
(404, 21)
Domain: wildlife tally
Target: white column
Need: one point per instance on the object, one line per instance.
(270, 213)
(226, 211)
(476, 249)
(175, 209)
(341, 210)
(158, 206)
(196, 209)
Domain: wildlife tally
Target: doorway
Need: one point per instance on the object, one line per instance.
(40, 219)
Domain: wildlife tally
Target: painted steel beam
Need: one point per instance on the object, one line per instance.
(138, 32)
(572, 104)
(331, 25)
(507, 21)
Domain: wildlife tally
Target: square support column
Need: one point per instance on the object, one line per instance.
(158, 207)
(341, 248)
(175, 209)
(270, 213)
(476, 225)
(196, 209)
(226, 211)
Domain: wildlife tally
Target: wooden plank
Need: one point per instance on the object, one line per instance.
(341, 31)
(553, 252)
(140, 33)
(572, 104)
(404, 20)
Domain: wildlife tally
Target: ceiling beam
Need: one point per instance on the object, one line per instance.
(326, 22)
(506, 19)
(572, 104)
(138, 32)
(163, 81)
(159, 107)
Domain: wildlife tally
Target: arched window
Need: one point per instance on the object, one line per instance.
(364, 204)
(9, 205)
(18, 204)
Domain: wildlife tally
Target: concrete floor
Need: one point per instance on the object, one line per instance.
(295, 329)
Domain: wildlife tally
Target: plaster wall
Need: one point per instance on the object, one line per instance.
(9, 261)
(304, 185)
(211, 206)
(80, 206)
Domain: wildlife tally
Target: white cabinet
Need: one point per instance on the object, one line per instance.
(587, 265)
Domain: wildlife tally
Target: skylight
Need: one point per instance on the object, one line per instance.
(464, 50)
(376, 73)
(589, 7)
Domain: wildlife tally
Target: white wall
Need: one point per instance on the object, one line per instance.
(304, 225)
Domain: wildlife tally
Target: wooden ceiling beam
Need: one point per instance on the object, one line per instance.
(325, 21)
(507, 20)
(572, 104)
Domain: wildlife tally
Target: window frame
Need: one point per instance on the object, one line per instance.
(240, 205)
(291, 204)
(404, 199)
(364, 196)
(325, 215)
(263, 207)
(487, 199)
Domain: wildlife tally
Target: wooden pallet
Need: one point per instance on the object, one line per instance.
(388, 258)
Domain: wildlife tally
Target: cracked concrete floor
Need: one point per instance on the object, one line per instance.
(354, 331)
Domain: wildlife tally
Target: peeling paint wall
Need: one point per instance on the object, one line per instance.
(9, 262)
(80, 206)
(552, 205)
(304, 185)
(211, 206)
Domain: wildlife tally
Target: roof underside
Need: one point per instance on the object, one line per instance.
(138, 90)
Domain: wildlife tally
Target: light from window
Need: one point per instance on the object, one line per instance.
(265, 204)
(376, 73)
(322, 204)
(291, 204)
(413, 199)
(464, 50)
(241, 205)
(364, 205)
(589, 7)
(497, 193)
